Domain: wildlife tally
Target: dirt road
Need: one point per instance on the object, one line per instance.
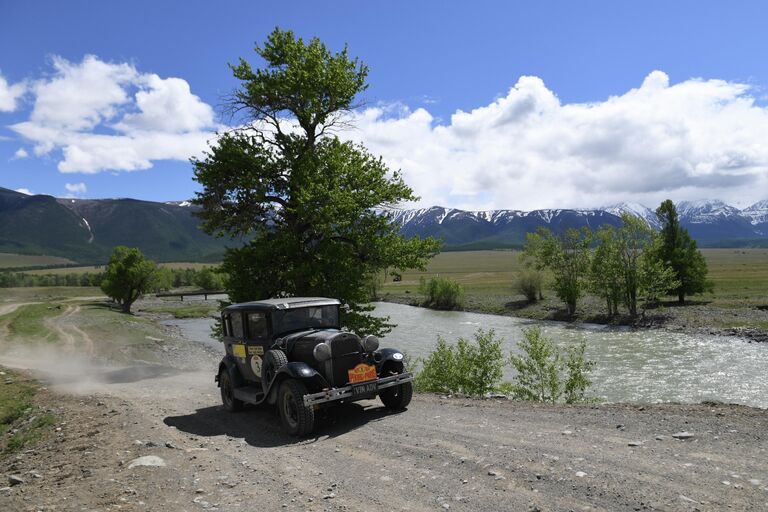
(442, 453)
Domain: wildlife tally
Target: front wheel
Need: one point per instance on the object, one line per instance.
(298, 418)
(397, 397)
(228, 399)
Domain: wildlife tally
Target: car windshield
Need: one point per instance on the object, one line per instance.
(313, 317)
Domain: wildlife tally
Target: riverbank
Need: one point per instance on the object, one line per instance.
(749, 321)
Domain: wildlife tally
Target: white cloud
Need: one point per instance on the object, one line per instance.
(19, 154)
(105, 116)
(25, 191)
(10, 94)
(697, 138)
(75, 188)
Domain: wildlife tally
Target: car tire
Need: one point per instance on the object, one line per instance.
(231, 404)
(298, 418)
(397, 397)
(273, 361)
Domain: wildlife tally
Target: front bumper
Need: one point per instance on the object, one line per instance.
(331, 395)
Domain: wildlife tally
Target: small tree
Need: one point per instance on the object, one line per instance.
(678, 251)
(529, 283)
(441, 293)
(209, 279)
(542, 373)
(128, 276)
(567, 256)
(605, 271)
(466, 367)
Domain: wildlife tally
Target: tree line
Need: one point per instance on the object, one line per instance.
(628, 266)
(209, 278)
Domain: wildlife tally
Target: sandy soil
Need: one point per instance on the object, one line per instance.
(442, 453)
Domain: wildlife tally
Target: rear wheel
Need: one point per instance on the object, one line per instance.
(298, 419)
(397, 397)
(273, 361)
(228, 399)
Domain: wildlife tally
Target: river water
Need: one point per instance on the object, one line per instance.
(631, 365)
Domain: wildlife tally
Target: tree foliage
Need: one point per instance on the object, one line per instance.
(441, 293)
(465, 367)
(678, 251)
(567, 256)
(127, 276)
(306, 201)
(543, 374)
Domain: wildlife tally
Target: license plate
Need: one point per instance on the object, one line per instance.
(364, 389)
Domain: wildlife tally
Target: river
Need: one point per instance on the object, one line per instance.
(631, 365)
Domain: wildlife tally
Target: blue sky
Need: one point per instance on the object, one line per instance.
(674, 136)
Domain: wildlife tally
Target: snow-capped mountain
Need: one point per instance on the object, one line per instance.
(711, 222)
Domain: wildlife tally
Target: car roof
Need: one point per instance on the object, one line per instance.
(283, 303)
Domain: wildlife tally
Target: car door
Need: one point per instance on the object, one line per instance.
(257, 342)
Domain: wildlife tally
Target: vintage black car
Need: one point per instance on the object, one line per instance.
(293, 353)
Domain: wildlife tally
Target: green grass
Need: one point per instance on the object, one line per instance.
(28, 322)
(93, 269)
(9, 260)
(19, 414)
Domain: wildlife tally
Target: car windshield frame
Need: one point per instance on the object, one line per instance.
(285, 321)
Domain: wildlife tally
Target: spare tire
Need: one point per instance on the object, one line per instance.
(272, 362)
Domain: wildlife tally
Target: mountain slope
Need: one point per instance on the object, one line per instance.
(86, 230)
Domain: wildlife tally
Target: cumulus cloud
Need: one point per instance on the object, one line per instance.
(696, 138)
(10, 94)
(75, 188)
(19, 154)
(109, 116)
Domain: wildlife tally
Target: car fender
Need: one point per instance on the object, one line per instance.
(389, 357)
(229, 364)
(300, 371)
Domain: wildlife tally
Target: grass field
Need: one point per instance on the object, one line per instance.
(100, 268)
(8, 260)
(740, 277)
(21, 421)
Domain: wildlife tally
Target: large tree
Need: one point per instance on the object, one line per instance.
(678, 251)
(308, 204)
(127, 276)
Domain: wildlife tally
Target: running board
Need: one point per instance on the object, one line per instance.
(249, 394)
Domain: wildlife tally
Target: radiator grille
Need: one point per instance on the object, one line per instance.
(346, 353)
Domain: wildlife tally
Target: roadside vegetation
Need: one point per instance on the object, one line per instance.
(22, 422)
(543, 371)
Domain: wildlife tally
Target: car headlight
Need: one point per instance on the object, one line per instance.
(370, 343)
(322, 352)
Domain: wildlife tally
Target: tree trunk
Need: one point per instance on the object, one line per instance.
(681, 298)
(126, 306)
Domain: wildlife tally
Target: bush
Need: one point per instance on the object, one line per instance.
(543, 376)
(466, 367)
(441, 293)
(528, 283)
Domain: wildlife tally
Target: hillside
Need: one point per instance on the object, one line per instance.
(86, 230)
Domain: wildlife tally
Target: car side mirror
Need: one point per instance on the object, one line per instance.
(344, 307)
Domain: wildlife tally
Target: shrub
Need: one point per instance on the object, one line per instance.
(528, 283)
(466, 367)
(441, 293)
(543, 375)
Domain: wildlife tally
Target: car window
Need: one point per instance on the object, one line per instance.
(236, 325)
(257, 325)
(313, 317)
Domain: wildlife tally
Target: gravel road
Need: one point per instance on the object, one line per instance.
(442, 453)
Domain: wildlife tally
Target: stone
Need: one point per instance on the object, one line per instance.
(492, 473)
(682, 435)
(635, 443)
(581, 474)
(147, 460)
(329, 496)
(15, 480)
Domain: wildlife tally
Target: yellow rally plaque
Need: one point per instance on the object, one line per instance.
(361, 373)
(238, 351)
